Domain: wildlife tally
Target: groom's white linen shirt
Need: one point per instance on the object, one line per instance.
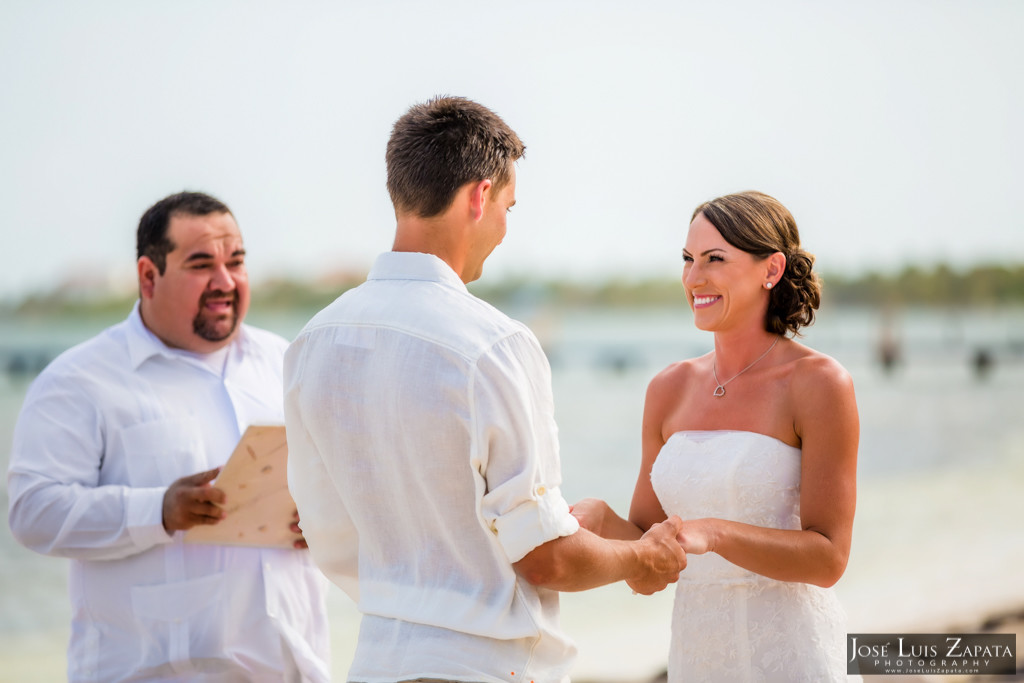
(104, 430)
(423, 457)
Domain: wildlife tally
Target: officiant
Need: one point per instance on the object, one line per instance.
(114, 453)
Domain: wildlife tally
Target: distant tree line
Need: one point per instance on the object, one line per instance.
(937, 286)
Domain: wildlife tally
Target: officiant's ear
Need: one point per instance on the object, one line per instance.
(147, 276)
(775, 266)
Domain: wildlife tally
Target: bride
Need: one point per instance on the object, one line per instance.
(754, 445)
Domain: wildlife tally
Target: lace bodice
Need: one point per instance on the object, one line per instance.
(739, 476)
(742, 476)
(730, 624)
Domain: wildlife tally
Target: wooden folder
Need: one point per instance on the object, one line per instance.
(259, 507)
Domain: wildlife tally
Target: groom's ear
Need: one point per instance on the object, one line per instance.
(479, 195)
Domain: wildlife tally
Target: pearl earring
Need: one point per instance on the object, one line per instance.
(767, 285)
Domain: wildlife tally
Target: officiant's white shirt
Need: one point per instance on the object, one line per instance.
(423, 449)
(103, 431)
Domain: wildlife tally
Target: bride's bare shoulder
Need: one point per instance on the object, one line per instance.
(815, 372)
(678, 374)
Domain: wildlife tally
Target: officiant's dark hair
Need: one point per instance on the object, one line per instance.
(760, 225)
(442, 144)
(151, 238)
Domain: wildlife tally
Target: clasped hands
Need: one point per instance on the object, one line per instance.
(191, 501)
(669, 542)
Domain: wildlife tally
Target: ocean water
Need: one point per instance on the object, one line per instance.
(938, 536)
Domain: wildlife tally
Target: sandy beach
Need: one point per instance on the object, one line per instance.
(33, 660)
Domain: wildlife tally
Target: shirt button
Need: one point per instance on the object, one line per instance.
(540, 490)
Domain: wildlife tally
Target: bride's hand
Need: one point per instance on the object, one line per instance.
(590, 513)
(697, 536)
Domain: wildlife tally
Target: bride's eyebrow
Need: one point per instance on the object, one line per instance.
(686, 252)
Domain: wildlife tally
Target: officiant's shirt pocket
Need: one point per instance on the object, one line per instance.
(157, 453)
(181, 621)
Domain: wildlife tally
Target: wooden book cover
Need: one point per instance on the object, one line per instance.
(259, 507)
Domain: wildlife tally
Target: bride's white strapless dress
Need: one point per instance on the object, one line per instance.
(729, 624)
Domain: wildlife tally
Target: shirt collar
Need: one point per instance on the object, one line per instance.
(143, 344)
(408, 265)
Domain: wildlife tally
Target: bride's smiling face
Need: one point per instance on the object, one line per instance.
(724, 285)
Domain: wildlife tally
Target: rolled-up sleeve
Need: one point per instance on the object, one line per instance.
(515, 440)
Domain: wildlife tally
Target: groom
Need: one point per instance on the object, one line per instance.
(423, 447)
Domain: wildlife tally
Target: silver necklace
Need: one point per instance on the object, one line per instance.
(720, 389)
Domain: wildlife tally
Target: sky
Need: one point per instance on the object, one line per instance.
(891, 129)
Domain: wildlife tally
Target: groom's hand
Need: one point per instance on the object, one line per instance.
(661, 556)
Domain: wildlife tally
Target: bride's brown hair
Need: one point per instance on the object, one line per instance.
(760, 225)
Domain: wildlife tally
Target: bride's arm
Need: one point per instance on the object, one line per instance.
(645, 510)
(596, 515)
(825, 419)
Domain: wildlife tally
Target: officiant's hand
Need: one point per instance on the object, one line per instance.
(300, 544)
(662, 556)
(191, 501)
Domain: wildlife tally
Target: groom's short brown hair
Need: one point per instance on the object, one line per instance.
(440, 145)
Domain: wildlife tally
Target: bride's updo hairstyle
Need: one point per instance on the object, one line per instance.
(760, 225)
